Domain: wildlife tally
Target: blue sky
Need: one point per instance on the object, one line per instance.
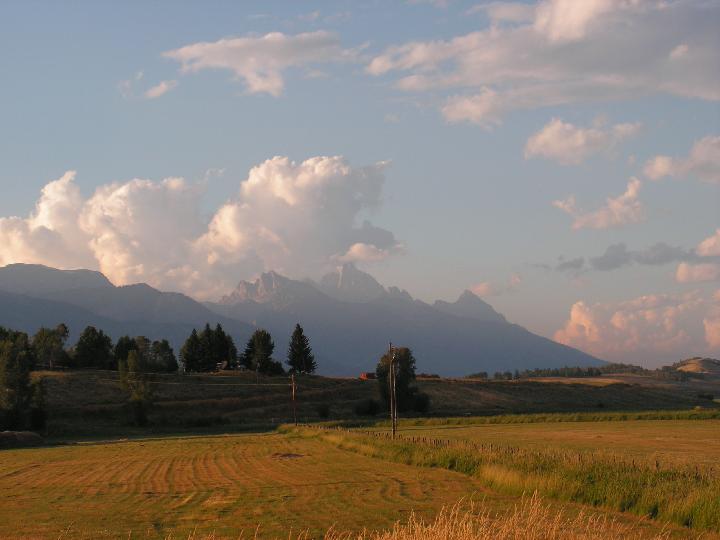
(449, 93)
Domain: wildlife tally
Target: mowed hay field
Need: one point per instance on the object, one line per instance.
(677, 441)
(214, 484)
(666, 470)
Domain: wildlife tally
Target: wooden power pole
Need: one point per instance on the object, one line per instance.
(392, 381)
(294, 404)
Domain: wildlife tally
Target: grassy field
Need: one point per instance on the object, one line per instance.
(685, 442)
(628, 467)
(300, 478)
(678, 441)
(219, 484)
(87, 402)
(665, 469)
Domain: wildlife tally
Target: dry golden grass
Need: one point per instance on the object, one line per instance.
(150, 488)
(530, 519)
(676, 441)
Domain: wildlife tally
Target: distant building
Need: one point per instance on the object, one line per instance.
(367, 376)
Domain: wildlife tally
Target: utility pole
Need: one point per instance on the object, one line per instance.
(393, 395)
(294, 405)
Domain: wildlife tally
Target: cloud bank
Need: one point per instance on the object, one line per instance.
(652, 330)
(705, 266)
(564, 52)
(296, 218)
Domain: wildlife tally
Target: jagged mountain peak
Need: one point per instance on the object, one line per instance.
(270, 288)
(472, 306)
(350, 284)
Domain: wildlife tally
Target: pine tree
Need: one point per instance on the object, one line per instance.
(16, 361)
(258, 354)
(300, 355)
(247, 358)
(208, 358)
(191, 353)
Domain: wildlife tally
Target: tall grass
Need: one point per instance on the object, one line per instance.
(531, 519)
(694, 414)
(686, 495)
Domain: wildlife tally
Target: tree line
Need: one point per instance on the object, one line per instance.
(22, 400)
(211, 349)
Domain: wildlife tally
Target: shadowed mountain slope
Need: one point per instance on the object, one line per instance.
(349, 336)
(32, 296)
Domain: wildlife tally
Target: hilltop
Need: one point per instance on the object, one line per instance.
(705, 366)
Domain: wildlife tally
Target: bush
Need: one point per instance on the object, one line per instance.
(322, 410)
(367, 407)
(138, 412)
(421, 403)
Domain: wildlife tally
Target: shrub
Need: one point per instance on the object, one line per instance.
(367, 407)
(323, 410)
(421, 403)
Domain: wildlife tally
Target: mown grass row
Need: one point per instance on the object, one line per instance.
(531, 519)
(686, 495)
(692, 414)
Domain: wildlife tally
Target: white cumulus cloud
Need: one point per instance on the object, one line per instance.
(710, 247)
(51, 233)
(703, 162)
(570, 145)
(620, 210)
(571, 51)
(260, 61)
(654, 328)
(691, 273)
(362, 252)
(296, 218)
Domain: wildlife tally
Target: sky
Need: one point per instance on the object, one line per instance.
(559, 158)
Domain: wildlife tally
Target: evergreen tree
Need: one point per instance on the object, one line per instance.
(94, 349)
(231, 352)
(247, 358)
(191, 353)
(258, 354)
(16, 361)
(300, 355)
(223, 348)
(209, 349)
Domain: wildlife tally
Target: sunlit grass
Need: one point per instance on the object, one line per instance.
(682, 493)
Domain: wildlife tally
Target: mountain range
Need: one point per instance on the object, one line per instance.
(349, 317)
